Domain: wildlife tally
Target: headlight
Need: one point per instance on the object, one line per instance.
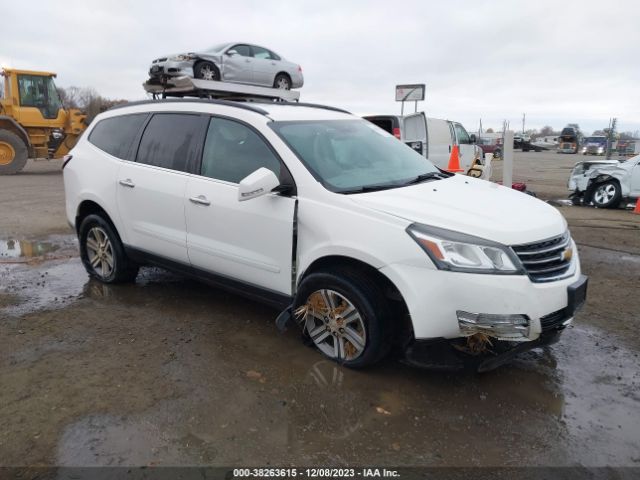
(460, 252)
(181, 58)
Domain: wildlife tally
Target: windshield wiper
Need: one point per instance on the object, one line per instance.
(424, 177)
(371, 188)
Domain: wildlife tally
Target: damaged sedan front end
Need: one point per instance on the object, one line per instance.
(605, 183)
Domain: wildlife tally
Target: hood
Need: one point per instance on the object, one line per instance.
(471, 206)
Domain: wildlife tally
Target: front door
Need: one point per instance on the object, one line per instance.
(238, 67)
(249, 241)
(467, 149)
(150, 191)
(635, 180)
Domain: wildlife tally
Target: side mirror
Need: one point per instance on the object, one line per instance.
(232, 52)
(259, 183)
(473, 138)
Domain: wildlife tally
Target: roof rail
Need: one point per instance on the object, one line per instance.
(242, 105)
(317, 105)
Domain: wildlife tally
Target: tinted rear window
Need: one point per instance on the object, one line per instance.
(115, 135)
(170, 141)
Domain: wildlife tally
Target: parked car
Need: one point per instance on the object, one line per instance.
(231, 62)
(491, 145)
(361, 241)
(434, 138)
(605, 183)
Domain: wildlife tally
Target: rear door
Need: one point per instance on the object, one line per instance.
(265, 66)
(250, 241)
(441, 140)
(238, 67)
(415, 133)
(150, 191)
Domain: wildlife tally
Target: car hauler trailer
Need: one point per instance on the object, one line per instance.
(193, 87)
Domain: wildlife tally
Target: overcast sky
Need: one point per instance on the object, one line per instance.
(560, 62)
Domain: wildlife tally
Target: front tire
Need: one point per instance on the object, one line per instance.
(13, 153)
(206, 71)
(102, 253)
(607, 194)
(345, 315)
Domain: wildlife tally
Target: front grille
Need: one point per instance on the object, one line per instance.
(554, 321)
(548, 260)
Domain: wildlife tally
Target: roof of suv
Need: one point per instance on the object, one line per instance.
(273, 110)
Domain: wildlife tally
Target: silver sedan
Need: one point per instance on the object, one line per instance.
(231, 62)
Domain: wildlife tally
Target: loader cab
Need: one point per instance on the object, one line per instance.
(39, 91)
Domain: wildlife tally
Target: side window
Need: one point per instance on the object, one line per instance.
(274, 56)
(170, 141)
(243, 50)
(232, 151)
(259, 52)
(115, 135)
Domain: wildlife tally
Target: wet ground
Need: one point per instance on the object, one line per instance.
(171, 372)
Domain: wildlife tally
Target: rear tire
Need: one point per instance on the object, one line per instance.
(607, 194)
(282, 82)
(358, 338)
(102, 253)
(13, 153)
(206, 71)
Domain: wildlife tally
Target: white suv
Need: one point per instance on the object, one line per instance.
(356, 237)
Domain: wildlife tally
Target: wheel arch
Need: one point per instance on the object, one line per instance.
(403, 331)
(9, 124)
(89, 207)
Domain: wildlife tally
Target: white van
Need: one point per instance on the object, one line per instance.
(434, 138)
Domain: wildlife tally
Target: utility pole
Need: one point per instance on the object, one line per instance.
(611, 136)
(524, 115)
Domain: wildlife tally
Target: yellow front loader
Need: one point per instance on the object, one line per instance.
(33, 121)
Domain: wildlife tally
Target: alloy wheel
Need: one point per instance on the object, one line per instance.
(604, 193)
(100, 252)
(335, 325)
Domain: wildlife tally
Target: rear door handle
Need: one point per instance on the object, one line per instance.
(127, 183)
(200, 200)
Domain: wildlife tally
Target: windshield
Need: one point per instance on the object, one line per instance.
(217, 48)
(596, 140)
(351, 155)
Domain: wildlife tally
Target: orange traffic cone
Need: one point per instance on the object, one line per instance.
(637, 209)
(454, 161)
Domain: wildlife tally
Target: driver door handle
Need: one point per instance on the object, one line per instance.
(127, 183)
(200, 200)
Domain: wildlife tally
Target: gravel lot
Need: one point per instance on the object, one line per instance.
(171, 372)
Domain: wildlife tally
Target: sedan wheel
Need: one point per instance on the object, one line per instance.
(206, 71)
(335, 325)
(282, 82)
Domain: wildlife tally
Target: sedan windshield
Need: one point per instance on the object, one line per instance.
(217, 48)
(352, 156)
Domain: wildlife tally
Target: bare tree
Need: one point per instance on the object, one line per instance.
(86, 99)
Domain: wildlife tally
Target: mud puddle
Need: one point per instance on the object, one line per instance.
(14, 250)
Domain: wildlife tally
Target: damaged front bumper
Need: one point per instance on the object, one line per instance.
(493, 340)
